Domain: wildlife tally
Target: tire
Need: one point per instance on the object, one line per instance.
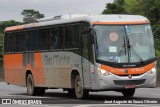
(128, 92)
(31, 89)
(30, 85)
(79, 91)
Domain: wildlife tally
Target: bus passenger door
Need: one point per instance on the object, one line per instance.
(85, 61)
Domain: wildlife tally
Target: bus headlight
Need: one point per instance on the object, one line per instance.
(103, 72)
(153, 70)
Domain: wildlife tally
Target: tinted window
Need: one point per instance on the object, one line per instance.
(72, 36)
(85, 46)
(85, 26)
(57, 38)
(44, 39)
(87, 39)
(9, 42)
(32, 37)
(75, 36)
(20, 41)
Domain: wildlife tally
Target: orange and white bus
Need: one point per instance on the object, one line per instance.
(81, 53)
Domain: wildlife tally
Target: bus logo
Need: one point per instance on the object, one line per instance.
(57, 60)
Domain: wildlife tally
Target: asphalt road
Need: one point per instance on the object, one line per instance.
(58, 98)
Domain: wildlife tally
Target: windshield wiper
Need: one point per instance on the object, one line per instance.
(129, 46)
(124, 45)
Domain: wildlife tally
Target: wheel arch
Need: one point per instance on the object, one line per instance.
(27, 73)
(74, 73)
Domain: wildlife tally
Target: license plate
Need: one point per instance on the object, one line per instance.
(129, 86)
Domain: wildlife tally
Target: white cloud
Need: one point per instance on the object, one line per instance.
(11, 9)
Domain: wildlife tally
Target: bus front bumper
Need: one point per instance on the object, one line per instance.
(112, 81)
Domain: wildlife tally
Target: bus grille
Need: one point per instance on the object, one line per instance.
(129, 82)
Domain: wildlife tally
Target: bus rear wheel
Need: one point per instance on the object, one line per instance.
(128, 92)
(31, 89)
(79, 91)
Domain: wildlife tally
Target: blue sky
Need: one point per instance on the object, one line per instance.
(11, 9)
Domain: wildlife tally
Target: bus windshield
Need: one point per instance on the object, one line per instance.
(124, 43)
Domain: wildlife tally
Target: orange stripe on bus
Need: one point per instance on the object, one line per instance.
(118, 23)
(15, 72)
(39, 74)
(29, 25)
(37, 25)
(14, 28)
(20, 27)
(131, 71)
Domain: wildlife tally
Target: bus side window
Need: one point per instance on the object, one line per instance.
(87, 40)
(85, 46)
(68, 36)
(43, 39)
(72, 36)
(20, 41)
(57, 38)
(75, 36)
(9, 42)
(32, 39)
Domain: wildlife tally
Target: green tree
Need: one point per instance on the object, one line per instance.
(154, 11)
(117, 7)
(1, 43)
(133, 7)
(30, 15)
(148, 8)
(9, 23)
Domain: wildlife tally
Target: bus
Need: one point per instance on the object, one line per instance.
(80, 53)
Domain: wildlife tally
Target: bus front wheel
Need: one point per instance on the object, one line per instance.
(128, 92)
(31, 89)
(79, 91)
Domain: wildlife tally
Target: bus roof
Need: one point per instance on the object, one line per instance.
(92, 19)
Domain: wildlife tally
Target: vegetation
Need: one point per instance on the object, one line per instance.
(117, 7)
(148, 8)
(31, 15)
(5, 24)
(1, 44)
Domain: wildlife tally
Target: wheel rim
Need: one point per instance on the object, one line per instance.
(79, 88)
(30, 85)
